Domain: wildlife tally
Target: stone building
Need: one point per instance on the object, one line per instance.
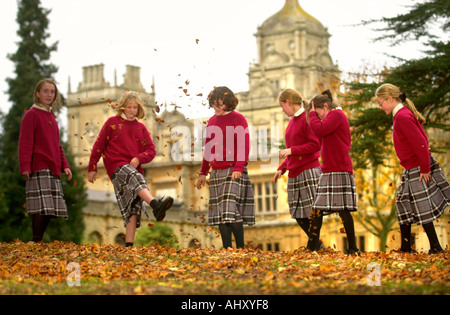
(292, 52)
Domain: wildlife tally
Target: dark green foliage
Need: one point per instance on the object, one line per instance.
(158, 233)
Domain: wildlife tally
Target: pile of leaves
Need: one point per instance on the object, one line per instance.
(51, 268)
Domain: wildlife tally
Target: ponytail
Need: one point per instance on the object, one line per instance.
(409, 104)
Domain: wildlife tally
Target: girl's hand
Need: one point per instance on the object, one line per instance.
(27, 174)
(68, 173)
(277, 176)
(135, 162)
(285, 153)
(201, 181)
(236, 175)
(426, 177)
(92, 176)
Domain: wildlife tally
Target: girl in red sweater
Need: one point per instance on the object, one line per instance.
(42, 159)
(336, 191)
(301, 160)
(231, 200)
(424, 192)
(125, 145)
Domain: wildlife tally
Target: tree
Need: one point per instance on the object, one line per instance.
(158, 233)
(31, 62)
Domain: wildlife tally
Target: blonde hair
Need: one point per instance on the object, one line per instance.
(293, 96)
(388, 89)
(127, 98)
(57, 99)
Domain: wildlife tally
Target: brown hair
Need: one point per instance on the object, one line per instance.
(319, 102)
(388, 89)
(293, 96)
(225, 95)
(127, 98)
(57, 99)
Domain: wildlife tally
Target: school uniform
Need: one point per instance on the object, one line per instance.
(119, 141)
(336, 190)
(230, 201)
(417, 201)
(41, 154)
(303, 165)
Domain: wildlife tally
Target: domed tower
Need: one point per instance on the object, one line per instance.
(292, 53)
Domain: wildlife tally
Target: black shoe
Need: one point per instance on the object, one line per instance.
(353, 252)
(160, 210)
(436, 251)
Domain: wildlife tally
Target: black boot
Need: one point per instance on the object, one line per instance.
(225, 233)
(435, 246)
(160, 207)
(314, 230)
(405, 231)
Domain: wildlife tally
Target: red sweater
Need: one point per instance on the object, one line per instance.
(335, 139)
(39, 146)
(411, 141)
(226, 147)
(304, 145)
(119, 142)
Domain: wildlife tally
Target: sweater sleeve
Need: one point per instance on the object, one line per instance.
(26, 143)
(149, 152)
(283, 166)
(241, 163)
(325, 127)
(407, 125)
(64, 163)
(311, 146)
(99, 147)
(206, 162)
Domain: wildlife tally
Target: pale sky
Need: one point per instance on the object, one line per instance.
(160, 38)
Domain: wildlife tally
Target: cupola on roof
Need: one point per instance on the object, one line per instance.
(290, 17)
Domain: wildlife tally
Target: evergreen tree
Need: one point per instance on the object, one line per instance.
(32, 64)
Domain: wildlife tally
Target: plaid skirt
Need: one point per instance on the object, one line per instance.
(128, 182)
(421, 203)
(302, 192)
(44, 194)
(336, 191)
(230, 201)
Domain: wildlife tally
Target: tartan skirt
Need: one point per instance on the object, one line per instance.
(128, 182)
(302, 192)
(230, 201)
(421, 203)
(44, 195)
(336, 191)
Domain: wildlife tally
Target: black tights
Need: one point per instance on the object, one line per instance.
(316, 225)
(405, 230)
(39, 224)
(237, 229)
(305, 224)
